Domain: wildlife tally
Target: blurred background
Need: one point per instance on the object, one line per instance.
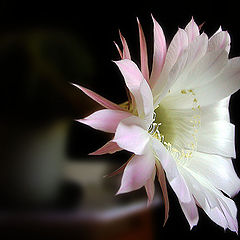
(49, 186)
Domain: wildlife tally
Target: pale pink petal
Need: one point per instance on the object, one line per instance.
(192, 30)
(139, 87)
(109, 147)
(175, 180)
(105, 120)
(99, 99)
(220, 40)
(126, 53)
(131, 136)
(162, 182)
(137, 172)
(190, 211)
(143, 52)
(176, 47)
(150, 188)
(159, 53)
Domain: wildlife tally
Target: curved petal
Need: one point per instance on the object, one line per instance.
(131, 136)
(169, 165)
(217, 170)
(126, 53)
(139, 88)
(220, 40)
(99, 99)
(159, 52)
(137, 172)
(105, 120)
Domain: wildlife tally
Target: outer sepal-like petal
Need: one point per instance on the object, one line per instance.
(99, 99)
(105, 120)
(109, 147)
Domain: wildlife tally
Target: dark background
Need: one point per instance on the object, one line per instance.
(91, 27)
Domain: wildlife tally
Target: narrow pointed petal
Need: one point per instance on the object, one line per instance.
(139, 88)
(159, 53)
(109, 147)
(119, 50)
(163, 185)
(105, 120)
(150, 188)
(131, 136)
(192, 30)
(169, 165)
(126, 52)
(143, 52)
(99, 99)
(137, 172)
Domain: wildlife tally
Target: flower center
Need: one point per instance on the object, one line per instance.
(177, 129)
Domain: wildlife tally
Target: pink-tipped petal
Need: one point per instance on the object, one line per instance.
(163, 185)
(139, 88)
(126, 52)
(99, 99)
(131, 136)
(192, 30)
(150, 188)
(109, 147)
(119, 50)
(105, 120)
(137, 172)
(143, 52)
(159, 53)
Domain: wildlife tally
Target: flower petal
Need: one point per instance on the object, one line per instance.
(217, 170)
(139, 88)
(131, 136)
(169, 165)
(150, 187)
(217, 138)
(109, 147)
(159, 53)
(99, 99)
(137, 172)
(126, 53)
(221, 87)
(105, 120)
(192, 30)
(177, 45)
(220, 40)
(143, 52)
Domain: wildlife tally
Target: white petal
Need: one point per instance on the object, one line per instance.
(169, 165)
(217, 170)
(217, 138)
(223, 86)
(131, 136)
(192, 30)
(220, 40)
